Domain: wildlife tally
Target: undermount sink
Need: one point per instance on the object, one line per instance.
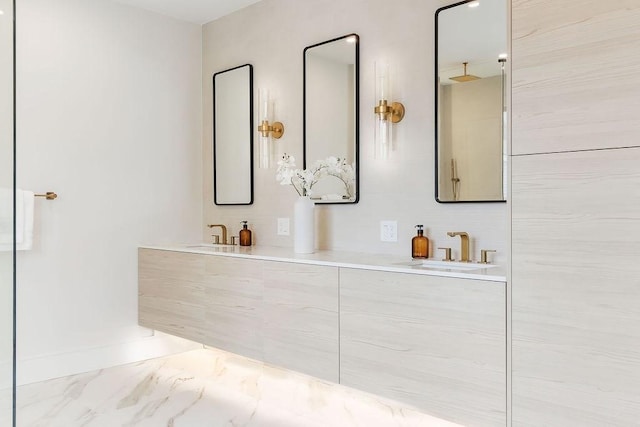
(447, 265)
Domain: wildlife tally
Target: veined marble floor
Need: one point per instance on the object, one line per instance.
(205, 388)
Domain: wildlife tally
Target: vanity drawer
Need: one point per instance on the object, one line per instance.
(437, 343)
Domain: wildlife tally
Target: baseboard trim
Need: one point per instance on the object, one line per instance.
(49, 366)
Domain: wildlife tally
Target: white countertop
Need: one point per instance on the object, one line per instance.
(379, 262)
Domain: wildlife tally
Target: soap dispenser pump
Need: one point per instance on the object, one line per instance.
(420, 245)
(245, 235)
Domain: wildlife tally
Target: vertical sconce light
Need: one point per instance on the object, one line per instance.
(387, 112)
(267, 130)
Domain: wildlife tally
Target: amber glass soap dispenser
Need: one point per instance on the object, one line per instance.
(420, 245)
(245, 235)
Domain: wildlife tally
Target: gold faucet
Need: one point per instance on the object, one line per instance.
(464, 244)
(224, 231)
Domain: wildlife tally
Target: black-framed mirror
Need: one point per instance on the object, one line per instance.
(233, 136)
(470, 92)
(331, 118)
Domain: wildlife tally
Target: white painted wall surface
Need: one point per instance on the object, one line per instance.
(272, 35)
(108, 117)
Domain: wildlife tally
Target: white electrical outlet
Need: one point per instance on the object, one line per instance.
(388, 231)
(283, 226)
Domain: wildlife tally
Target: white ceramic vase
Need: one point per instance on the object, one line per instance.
(304, 230)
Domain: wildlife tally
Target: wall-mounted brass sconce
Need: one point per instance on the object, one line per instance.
(267, 130)
(395, 110)
(387, 113)
(274, 130)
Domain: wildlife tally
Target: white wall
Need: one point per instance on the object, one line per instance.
(109, 118)
(271, 35)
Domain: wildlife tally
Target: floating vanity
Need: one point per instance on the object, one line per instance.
(427, 335)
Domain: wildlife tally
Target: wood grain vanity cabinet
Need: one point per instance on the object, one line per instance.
(202, 298)
(438, 343)
(233, 291)
(171, 293)
(281, 313)
(301, 318)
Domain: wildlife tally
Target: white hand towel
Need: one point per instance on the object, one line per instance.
(28, 207)
(25, 201)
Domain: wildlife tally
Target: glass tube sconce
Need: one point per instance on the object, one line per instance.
(267, 130)
(387, 112)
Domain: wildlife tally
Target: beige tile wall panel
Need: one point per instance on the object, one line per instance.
(436, 343)
(576, 289)
(234, 305)
(575, 74)
(171, 293)
(301, 318)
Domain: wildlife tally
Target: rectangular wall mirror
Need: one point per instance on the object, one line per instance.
(470, 88)
(331, 92)
(233, 136)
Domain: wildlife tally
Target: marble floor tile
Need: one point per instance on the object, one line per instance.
(206, 388)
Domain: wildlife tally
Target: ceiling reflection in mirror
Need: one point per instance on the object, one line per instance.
(331, 116)
(471, 55)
